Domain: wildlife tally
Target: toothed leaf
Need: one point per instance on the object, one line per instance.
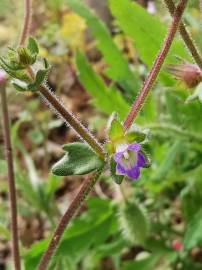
(79, 159)
(134, 223)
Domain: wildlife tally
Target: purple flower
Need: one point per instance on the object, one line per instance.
(129, 160)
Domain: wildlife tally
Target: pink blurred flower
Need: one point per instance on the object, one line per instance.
(3, 77)
(177, 245)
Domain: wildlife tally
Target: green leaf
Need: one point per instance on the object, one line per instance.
(77, 239)
(197, 94)
(117, 178)
(146, 30)
(169, 160)
(144, 264)
(4, 232)
(134, 223)
(118, 67)
(19, 85)
(12, 72)
(78, 160)
(3, 167)
(191, 195)
(103, 96)
(193, 235)
(32, 46)
(39, 79)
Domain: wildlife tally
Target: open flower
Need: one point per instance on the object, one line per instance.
(129, 160)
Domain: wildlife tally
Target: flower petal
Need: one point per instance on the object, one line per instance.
(134, 147)
(133, 173)
(120, 170)
(140, 160)
(118, 156)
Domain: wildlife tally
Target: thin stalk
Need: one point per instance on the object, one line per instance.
(11, 180)
(137, 105)
(186, 37)
(64, 221)
(26, 22)
(68, 117)
(71, 120)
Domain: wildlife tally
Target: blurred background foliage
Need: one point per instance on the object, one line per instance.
(100, 53)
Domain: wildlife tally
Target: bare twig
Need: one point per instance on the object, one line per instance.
(11, 180)
(26, 22)
(64, 221)
(186, 37)
(137, 105)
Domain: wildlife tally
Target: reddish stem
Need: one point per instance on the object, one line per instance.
(11, 180)
(186, 37)
(26, 22)
(156, 66)
(65, 219)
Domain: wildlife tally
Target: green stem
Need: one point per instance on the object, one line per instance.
(149, 82)
(64, 221)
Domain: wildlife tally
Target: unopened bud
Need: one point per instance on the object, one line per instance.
(187, 73)
(25, 58)
(3, 77)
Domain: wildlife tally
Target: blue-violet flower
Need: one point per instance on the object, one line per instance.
(129, 160)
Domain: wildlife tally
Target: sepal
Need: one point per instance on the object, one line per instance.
(136, 134)
(115, 129)
(39, 78)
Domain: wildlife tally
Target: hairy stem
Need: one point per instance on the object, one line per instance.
(156, 66)
(68, 117)
(11, 180)
(64, 221)
(26, 22)
(53, 100)
(186, 37)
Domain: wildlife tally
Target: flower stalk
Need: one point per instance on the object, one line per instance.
(53, 100)
(185, 36)
(11, 178)
(149, 82)
(26, 22)
(65, 219)
(68, 117)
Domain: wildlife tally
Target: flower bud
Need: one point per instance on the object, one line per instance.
(187, 73)
(25, 58)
